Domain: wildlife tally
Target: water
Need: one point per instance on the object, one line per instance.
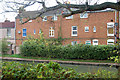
(82, 68)
(88, 68)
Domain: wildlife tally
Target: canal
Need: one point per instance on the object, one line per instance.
(80, 68)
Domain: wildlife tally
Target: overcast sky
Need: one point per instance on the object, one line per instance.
(11, 16)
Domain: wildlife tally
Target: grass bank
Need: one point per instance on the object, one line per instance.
(41, 58)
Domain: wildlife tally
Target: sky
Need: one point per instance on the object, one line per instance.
(11, 16)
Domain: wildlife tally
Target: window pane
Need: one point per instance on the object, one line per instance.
(8, 32)
(24, 30)
(95, 41)
(110, 30)
(74, 32)
(24, 34)
(74, 28)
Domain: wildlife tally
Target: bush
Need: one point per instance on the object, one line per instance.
(43, 48)
(17, 70)
(4, 46)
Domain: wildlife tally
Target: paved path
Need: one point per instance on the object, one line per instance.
(60, 61)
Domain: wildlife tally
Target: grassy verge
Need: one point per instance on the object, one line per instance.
(41, 58)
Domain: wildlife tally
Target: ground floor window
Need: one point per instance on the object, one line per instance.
(95, 42)
(88, 42)
(110, 42)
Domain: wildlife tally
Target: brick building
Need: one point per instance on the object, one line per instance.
(7, 31)
(93, 28)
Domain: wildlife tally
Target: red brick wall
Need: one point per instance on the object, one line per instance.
(98, 19)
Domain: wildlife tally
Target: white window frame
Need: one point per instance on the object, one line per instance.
(54, 18)
(86, 28)
(88, 42)
(69, 17)
(44, 18)
(94, 29)
(84, 15)
(73, 31)
(23, 32)
(110, 40)
(110, 25)
(50, 31)
(94, 41)
(73, 42)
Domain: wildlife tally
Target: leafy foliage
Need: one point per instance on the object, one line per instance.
(4, 46)
(45, 48)
(13, 70)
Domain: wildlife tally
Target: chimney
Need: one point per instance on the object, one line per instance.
(7, 20)
(21, 9)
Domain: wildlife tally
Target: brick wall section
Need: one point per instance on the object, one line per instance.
(98, 19)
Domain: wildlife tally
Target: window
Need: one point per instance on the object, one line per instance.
(74, 30)
(34, 31)
(110, 29)
(54, 18)
(24, 33)
(84, 15)
(73, 42)
(110, 42)
(8, 32)
(88, 42)
(86, 29)
(94, 29)
(69, 17)
(40, 31)
(51, 32)
(95, 42)
(45, 18)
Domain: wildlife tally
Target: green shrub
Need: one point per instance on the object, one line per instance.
(4, 46)
(45, 48)
(17, 70)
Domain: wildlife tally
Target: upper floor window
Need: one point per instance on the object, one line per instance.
(95, 42)
(51, 32)
(110, 29)
(54, 18)
(84, 15)
(110, 42)
(24, 32)
(45, 18)
(86, 29)
(88, 42)
(9, 32)
(34, 31)
(94, 29)
(74, 30)
(69, 17)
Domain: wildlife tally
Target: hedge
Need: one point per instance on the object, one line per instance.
(38, 48)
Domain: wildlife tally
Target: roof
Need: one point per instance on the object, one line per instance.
(33, 14)
(7, 24)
